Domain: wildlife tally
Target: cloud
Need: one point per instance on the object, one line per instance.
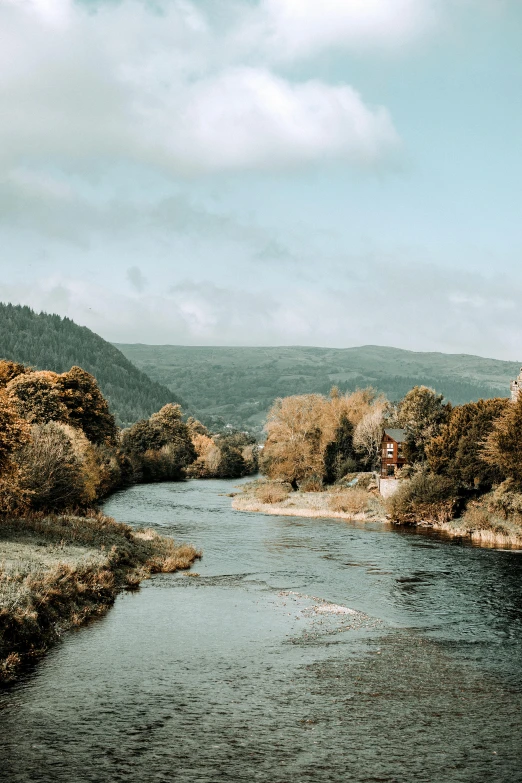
(137, 279)
(297, 29)
(481, 321)
(156, 84)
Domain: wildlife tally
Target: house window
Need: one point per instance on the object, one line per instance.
(389, 450)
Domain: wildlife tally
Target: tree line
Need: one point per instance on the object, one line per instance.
(61, 449)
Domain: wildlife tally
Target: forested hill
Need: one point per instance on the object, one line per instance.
(53, 343)
(237, 385)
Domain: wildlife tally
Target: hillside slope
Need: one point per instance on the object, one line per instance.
(237, 385)
(54, 343)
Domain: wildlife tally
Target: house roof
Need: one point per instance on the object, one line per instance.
(399, 436)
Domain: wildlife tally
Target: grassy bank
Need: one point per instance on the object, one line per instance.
(266, 497)
(482, 526)
(479, 524)
(56, 572)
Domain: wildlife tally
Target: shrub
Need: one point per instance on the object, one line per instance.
(272, 493)
(426, 496)
(312, 484)
(506, 500)
(477, 517)
(350, 501)
(51, 469)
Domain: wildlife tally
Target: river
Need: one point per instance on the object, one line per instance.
(248, 673)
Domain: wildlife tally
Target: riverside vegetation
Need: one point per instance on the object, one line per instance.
(61, 452)
(464, 463)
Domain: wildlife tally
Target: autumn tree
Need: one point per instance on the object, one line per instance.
(86, 406)
(310, 436)
(161, 446)
(503, 446)
(295, 441)
(36, 397)
(52, 469)
(457, 452)
(10, 370)
(14, 433)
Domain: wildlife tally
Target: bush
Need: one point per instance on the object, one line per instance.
(312, 484)
(52, 472)
(350, 501)
(426, 497)
(506, 500)
(272, 493)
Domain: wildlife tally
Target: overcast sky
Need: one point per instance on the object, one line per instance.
(266, 172)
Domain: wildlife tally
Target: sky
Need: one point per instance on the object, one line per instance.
(266, 172)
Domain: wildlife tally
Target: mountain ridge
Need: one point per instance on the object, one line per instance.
(236, 384)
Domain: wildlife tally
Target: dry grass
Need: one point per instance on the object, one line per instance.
(351, 501)
(272, 493)
(335, 502)
(57, 572)
(486, 526)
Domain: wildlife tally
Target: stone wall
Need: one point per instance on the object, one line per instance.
(388, 486)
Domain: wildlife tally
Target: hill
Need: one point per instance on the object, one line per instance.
(237, 385)
(54, 343)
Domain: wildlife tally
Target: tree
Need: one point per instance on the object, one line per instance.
(339, 454)
(141, 437)
(161, 446)
(293, 450)
(503, 446)
(309, 435)
(10, 370)
(36, 397)
(231, 463)
(14, 433)
(422, 413)
(86, 406)
(457, 452)
(367, 437)
(51, 469)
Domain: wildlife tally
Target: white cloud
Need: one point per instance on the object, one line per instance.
(295, 29)
(155, 84)
(250, 118)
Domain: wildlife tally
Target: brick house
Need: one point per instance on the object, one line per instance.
(392, 457)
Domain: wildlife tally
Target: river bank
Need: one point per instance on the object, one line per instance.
(266, 497)
(57, 572)
(366, 505)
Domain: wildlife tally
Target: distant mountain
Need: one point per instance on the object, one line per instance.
(237, 385)
(49, 342)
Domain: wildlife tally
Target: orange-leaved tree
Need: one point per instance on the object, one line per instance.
(14, 433)
(503, 446)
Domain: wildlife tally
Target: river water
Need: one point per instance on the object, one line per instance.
(305, 650)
